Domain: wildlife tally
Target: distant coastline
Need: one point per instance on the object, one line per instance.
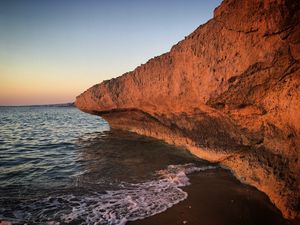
(70, 104)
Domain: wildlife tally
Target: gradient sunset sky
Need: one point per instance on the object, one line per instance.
(51, 50)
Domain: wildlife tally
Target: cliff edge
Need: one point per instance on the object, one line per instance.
(229, 92)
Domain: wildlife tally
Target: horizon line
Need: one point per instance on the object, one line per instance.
(32, 105)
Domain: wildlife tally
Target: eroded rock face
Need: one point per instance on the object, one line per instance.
(229, 92)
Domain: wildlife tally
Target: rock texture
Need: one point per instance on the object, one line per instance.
(229, 92)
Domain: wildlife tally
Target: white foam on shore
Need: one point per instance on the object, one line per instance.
(135, 201)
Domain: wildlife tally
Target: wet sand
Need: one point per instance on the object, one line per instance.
(217, 198)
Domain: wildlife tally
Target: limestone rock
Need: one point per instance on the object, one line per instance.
(229, 92)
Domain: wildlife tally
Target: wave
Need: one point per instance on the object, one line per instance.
(131, 202)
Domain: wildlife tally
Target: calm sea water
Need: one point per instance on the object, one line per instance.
(61, 166)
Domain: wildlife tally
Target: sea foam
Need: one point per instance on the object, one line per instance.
(133, 202)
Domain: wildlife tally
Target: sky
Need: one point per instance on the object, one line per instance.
(52, 50)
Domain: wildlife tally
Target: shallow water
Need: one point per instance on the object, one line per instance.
(59, 166)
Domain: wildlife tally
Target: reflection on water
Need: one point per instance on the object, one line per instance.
(51, 157)
(39, 146)
(120, 156)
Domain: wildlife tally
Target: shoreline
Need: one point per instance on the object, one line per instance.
(219, 198)
(249, 164)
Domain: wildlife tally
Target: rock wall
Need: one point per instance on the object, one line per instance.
(229, 92)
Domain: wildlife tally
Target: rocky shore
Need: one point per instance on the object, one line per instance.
(229, 93)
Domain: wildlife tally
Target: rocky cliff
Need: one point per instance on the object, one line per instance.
(229, 92)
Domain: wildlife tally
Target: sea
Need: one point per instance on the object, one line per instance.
(59, 165)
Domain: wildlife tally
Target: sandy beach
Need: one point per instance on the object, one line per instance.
(219, 199)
